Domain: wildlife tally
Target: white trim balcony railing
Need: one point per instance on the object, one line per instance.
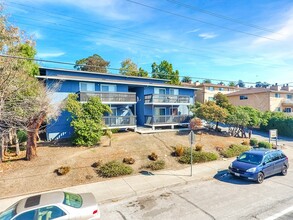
(166, 119)
(109, 97)
(119, 121)
(166, 99)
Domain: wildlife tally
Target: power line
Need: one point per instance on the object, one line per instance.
(221, 16)
(110, 68)
(198, 20)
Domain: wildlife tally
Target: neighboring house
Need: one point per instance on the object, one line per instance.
(276, 98)
(207, 91)
(134, 101)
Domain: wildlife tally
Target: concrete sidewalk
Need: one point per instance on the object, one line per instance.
(124, 187)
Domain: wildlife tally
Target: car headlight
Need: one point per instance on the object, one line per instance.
(251, 170)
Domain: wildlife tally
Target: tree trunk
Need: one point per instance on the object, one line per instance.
(33, 130)
(16, 142)
(217, 125)
(1, 148)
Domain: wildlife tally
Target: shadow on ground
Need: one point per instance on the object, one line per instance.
(225, 176)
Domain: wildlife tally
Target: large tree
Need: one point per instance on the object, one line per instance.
(129, 68)
(164, 70)
(94, 63)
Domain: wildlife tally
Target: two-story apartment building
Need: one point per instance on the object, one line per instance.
(207, 91)
(134, 101)
(276, 98)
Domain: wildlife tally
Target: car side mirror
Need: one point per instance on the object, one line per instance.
(264, 163)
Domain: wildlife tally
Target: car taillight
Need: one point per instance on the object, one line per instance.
(95, 212)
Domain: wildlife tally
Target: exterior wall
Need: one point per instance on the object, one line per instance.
(140, 110)
(60, 128)
(282, 102)
(260, 101)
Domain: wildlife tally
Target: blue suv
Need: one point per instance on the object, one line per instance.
(257, 164)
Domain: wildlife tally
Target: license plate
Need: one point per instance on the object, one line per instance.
(237, 174)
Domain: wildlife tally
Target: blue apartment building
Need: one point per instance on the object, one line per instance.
(134, 101)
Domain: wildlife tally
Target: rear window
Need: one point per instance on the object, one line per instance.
(250, 158)
(72, 200)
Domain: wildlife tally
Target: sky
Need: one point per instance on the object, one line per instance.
(217, 39)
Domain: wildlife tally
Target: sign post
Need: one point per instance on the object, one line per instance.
(191, 138)
(274, 135)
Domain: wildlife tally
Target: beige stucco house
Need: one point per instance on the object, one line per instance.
(207, 91)
(276, 98)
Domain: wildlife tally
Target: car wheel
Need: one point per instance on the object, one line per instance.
(284, 171)
(260, 177)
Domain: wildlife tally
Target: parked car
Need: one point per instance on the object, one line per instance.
(257, 164)
(54, 205)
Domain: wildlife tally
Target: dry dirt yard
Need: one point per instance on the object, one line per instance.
(18, 176)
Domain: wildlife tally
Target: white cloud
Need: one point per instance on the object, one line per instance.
(207, 35)
(193, 31)
(50, 54)
(37, 35)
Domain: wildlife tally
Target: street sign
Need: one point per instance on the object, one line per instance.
(191, 138)
(273, 133)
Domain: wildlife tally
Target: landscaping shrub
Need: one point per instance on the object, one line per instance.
(114, 168)
(253, 142)
(245, 142)
(198, 157)
(264, 144)
(198, 147)
(128, 160)
(153, 156)
(179, 150)
(97, 164)
(62, 170)
(234, 150)
(21, 136)
(156, 165)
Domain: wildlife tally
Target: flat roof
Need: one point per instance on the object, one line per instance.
(257, 90)
(102, 80)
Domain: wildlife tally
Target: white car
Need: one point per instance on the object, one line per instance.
(54, 205)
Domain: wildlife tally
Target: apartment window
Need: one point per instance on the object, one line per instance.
(160, 91)
(288, 110)
(174, 92)
(211, 99)
(277, 95)
(243, 97)
(160, 111)
(211, 88)
(221, 89)
(87, 87)
(289, 96)
(108, 88)
(278, 109)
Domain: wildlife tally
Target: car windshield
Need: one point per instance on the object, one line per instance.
(250, 158)
(9, 213)
(73, 200)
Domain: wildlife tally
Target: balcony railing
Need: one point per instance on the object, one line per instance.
(287, 102)
(110, 97)
(161, 98)
(119, 121)
(166, 119)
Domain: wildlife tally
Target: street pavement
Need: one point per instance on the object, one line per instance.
(210, 193)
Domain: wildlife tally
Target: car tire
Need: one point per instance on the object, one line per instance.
(284, 171)
(260, 177)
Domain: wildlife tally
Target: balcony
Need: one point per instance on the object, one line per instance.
(119, 121)
(287, 102)
(109, 97)
(166, 99)
(167, 119)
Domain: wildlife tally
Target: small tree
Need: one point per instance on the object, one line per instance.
(186, 79)
(212, 113)
(94, 63)
(86, 119)
(238, 120)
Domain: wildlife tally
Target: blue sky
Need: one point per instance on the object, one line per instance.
(217, 44)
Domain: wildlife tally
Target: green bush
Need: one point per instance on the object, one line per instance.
(156, 165)
(253, 142)
(197, 157)
(264, 144)
(22, 136)
(234, 150)
(114, 168)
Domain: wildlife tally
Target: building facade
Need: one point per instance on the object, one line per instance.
(134, 101)
(276, 98)
(207, 91)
